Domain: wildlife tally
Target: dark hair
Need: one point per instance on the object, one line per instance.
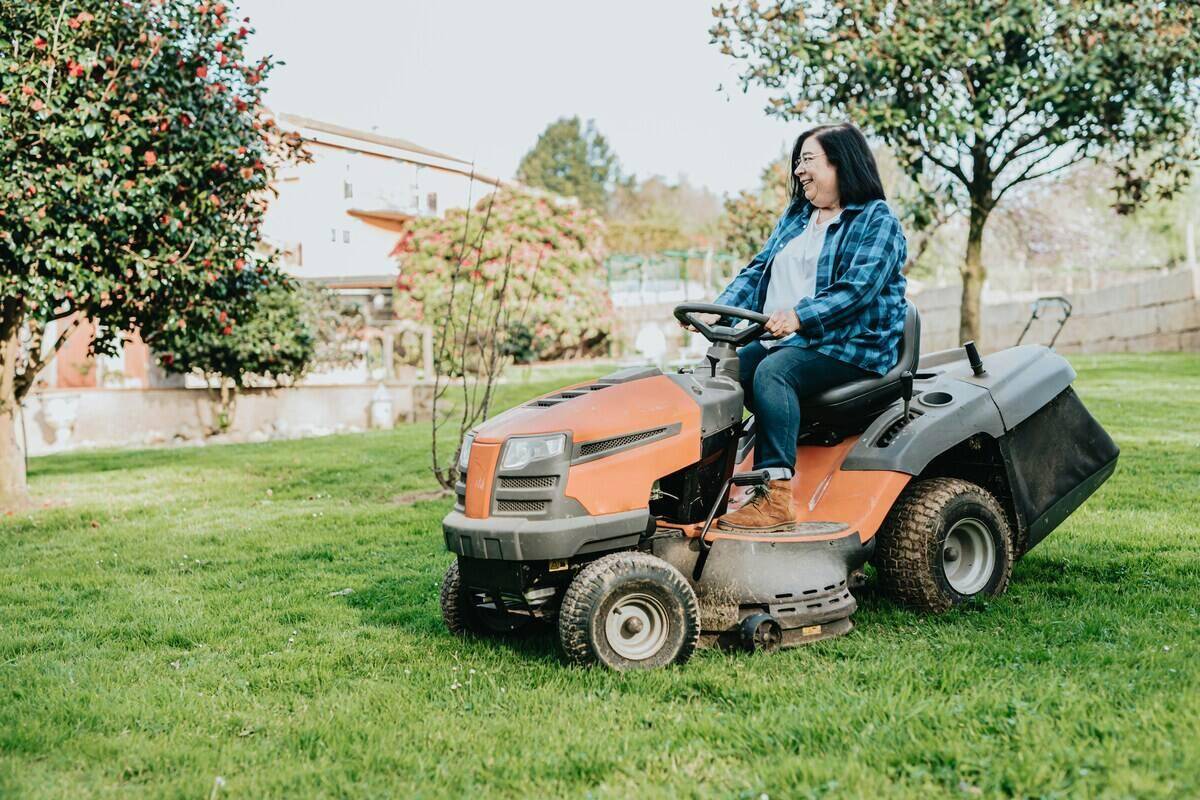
(846, 148)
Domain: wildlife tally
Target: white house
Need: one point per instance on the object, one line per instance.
(337, 218)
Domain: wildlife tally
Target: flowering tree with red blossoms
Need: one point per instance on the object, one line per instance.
(137, 163)
(555, 250)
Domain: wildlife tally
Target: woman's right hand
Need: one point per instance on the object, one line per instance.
(707, 319)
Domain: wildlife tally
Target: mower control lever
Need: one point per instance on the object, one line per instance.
(906, 389)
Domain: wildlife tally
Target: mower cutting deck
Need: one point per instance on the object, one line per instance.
(593, 507)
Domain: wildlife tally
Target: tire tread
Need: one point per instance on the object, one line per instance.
(906, 548)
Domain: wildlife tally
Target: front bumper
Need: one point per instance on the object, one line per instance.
(518, 539)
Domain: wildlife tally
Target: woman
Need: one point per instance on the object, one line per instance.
(830, 280)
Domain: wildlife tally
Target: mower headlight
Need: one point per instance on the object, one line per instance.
(464, 455)
(521, 451)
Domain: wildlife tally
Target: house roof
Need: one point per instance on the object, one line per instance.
(388, 218)
(365, 136)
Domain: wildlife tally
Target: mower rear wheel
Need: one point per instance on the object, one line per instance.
(463, 617)
(629, 610)
(945, 542)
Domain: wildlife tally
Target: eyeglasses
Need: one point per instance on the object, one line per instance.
(807, 159)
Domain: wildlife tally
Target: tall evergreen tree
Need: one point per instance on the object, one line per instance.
(572, 159)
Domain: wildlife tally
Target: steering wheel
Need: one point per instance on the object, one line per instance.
(685, 313)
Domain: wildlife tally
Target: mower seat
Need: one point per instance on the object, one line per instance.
(855, 403)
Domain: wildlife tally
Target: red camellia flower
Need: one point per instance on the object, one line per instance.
(3, 99)
(224, 317)
(202, 71)
(74, 70)
(27, 90)
(73, 23)
(39, 43)
(228, 329)
(219, 9)
(151, 158)
(240, 264)
(135, 63)
(37, 105)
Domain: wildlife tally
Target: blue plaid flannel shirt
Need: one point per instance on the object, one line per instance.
(857, 313)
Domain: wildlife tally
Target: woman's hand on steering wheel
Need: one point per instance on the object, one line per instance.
(707, 319)
(783, 323)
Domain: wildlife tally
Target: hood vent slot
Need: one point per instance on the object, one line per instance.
(589, 449)
(567, 394)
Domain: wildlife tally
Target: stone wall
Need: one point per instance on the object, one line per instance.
(57, 421)
(1156, 314)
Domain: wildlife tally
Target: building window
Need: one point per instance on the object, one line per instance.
(431, 202)
(333, 234)
(346, 237)
(347, 189)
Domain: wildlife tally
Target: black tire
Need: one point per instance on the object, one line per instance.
(463, 618)
(643, 589)
(911, 554)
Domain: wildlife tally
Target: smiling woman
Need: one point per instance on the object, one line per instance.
(829, 277)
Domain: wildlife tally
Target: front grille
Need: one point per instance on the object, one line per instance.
(603, 445)
(533, 482)
(521, 506)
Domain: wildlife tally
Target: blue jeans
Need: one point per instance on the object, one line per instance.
(775, 381)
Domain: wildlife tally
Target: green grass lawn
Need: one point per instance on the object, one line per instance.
(170, 627)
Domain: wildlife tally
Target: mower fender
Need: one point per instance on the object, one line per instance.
(970, 410)
(520, 539)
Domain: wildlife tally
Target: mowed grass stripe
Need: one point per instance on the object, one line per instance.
(169, 620)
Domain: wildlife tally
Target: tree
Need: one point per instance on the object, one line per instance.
(751, 216)
(137, 158)
(573, 160)
(652, 215)
(553, 251)
(276, 344)
(978, 96)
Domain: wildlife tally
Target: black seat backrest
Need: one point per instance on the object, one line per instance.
(852, 403)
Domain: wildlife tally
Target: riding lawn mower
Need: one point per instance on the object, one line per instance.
(593, 507)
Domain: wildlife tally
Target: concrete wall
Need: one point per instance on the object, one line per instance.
(1159, 313)
(56, 421)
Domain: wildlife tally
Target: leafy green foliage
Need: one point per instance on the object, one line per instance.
(138, 158)
(542, 256)
(751, 215)
(277, 341)
(652, 215)
(573, 160)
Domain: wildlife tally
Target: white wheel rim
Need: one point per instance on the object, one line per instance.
(636, 627)
(968, 556)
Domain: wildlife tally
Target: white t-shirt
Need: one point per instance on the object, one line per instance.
(794, 271)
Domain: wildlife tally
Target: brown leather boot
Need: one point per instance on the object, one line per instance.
(769, 509)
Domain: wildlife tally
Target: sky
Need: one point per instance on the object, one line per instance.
(480, 80)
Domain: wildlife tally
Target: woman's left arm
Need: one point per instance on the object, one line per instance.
(875, 259)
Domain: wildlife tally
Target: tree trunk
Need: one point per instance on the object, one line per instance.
(970, 324)
(14, 492)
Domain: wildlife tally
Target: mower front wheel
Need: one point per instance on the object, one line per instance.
(629, 610)
(946, 541)
(463, 617)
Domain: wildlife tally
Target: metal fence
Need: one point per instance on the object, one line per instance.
(672, 276)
